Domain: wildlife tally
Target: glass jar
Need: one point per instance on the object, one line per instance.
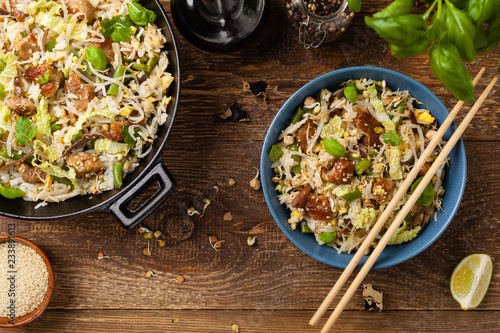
(318, 21)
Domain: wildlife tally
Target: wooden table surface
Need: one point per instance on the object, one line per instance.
(271, 286)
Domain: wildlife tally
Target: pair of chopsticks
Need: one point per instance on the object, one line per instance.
(402, 213)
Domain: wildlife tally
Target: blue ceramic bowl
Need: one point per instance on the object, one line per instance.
(454, 182)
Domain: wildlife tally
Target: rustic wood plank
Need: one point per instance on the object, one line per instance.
(273, 274)
(188, 321)
(272, 286)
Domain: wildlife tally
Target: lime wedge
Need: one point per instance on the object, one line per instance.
(470, 280)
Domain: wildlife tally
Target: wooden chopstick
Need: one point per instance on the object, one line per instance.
(406, 208)
(389, 209)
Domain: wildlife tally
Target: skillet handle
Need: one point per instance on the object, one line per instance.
(166, 185)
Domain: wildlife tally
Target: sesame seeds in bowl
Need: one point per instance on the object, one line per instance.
(26, 281)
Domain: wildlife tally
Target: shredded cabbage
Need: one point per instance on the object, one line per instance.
(395, 170)
(51, 152)
(333, 127)
(46, 13)
(56, 171)
(111, 147)
(380, 112)
(365, 218)
(79, 31)
(10, 70)
(402, 235)
(49, 6)
(5, 115)
(373, 92)
(83, 118)
(341, 191)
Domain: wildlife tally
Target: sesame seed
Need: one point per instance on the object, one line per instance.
(31, 279)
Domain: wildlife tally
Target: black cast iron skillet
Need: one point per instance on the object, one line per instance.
(151, 168)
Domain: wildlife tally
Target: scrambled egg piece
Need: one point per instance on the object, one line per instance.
(425, 117)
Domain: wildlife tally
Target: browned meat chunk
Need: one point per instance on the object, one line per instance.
(17, 13)
(424, 169)
(38, 73)
(81, 6)
(301, 197)
(318, 207)
(27, 46)
(83, 91)
(20, 105)
(73, 118)
(115, 130)
(367, 123)
(30, 174)
(304, 133)
(382, 188)
(84, 163)
(341, 173)
(107, 48)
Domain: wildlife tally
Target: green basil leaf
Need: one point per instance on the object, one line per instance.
(392, 138)
(492, 37)
(495, 15)
(275, 153)
(461, 32)
(414, 49)
(397, 8)
(96, 57)
(437, 30)
(401, 30)
(354, 5)
(351, 93)
(480, 41)
(459, 3)
(11, 193)
(450, 70)
(328, 237)
(427, 196)
(352, 195)
(333, 147)
(480, 10)
(140, 15)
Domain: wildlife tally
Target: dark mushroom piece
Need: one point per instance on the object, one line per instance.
(301, 198)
